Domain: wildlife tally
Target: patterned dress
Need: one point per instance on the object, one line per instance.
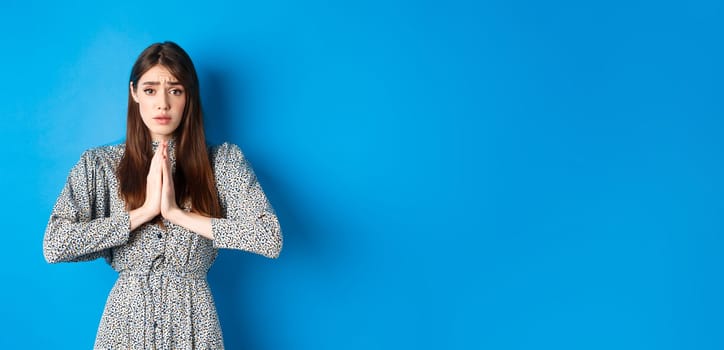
(161, 299)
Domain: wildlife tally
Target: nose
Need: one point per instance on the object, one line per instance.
(163, 104)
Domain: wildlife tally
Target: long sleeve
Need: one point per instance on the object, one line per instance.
(81, 226)
(249, 221)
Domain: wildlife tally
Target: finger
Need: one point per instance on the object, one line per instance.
(169, 196)
(166, 174)
(163, 169)
(156, 160)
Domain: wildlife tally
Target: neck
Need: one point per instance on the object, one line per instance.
(169, 140)
(161, 138)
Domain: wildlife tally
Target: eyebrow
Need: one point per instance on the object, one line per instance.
(158, 83)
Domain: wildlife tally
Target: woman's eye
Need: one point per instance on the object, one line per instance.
(177, 92)
(148, 91)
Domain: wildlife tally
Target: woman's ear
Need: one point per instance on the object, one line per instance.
(133, 92)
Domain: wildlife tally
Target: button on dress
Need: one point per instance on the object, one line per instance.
(161, 299)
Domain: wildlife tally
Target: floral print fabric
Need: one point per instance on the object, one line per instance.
(161, 299)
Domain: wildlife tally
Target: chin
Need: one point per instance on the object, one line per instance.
(165, 133)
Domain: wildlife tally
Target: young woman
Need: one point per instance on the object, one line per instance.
(157, 208)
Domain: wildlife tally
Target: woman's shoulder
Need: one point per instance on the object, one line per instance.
(100, 157)
(226, 151)
(105, 152)
(227, 157)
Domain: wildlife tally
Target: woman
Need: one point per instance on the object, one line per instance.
(157, 208)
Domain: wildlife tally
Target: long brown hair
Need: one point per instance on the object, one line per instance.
(193, 179)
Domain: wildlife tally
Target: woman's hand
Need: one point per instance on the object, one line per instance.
(161, 199)
(154, 184)
(168, 193)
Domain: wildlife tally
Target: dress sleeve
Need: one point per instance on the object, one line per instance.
(249, 221)
(81, 227)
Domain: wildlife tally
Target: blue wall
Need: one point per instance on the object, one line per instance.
(449, 174)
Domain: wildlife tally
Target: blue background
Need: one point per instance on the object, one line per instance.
(448, 174)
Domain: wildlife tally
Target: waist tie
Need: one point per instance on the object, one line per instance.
(164, 272)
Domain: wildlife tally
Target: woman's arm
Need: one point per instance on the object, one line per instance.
(191, 221)
(249, 221)
(81, 226)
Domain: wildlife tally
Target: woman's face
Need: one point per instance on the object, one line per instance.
(161, 100)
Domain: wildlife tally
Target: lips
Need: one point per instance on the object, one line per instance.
(162, 119)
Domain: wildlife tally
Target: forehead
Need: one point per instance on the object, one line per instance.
(158, 73)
